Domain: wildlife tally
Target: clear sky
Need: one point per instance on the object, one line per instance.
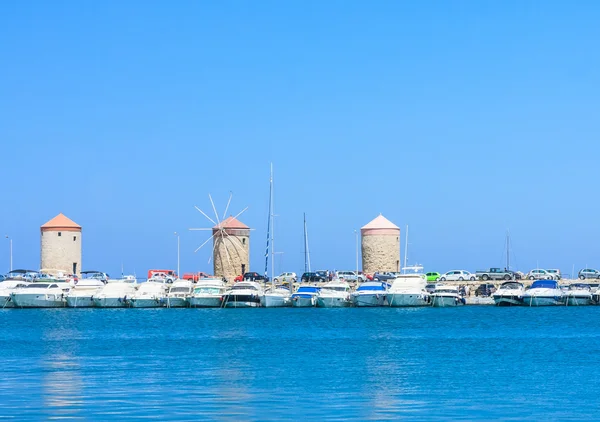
(461, 119)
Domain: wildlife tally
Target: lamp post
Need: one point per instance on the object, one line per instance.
(356, 235)
(10, 243)
(178, 275)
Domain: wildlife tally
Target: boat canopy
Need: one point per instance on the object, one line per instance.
(371, 287)
(544, 284)
(308, 289)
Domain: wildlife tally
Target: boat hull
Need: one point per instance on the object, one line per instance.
(369, 300)
(110, 302)
(579, 301)
(206, 302)
(146, 302)
(508, 300)
(241, 301)
(304, 302)
(401, 300)
(50, 300)
(6, 302)
(333, 302)
(446, 301)
(176, 302)
(275, 301)
(80, 301)
(542, 301)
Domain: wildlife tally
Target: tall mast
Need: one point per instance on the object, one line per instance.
(406, 248)
(507, 250)
(269, 223)
(272, 230)
(305, 247)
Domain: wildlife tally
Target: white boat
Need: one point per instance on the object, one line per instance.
(245, 294)
(80, 296)
(276, 297)
(510, 293)
(208, 293)
(335, 294)
(305, 297)
(446, 295)
(46, 294)
(370, 293)
(408, 289)
(115, 294)
(179, 293)
(578, 294)
(6, 288)
(543, 293)
(150, 294)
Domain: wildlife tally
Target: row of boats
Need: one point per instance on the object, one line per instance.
(406, 290)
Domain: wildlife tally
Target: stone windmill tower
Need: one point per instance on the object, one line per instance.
(60, 240)
(380, 246)
(231, 244)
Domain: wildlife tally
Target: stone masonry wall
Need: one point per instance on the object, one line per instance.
(238, 248)
(380, 253)
(58, 253)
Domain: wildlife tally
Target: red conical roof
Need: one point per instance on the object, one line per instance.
(380, 222)
(61, 222)
(231, 223)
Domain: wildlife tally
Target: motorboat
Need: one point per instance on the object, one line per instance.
(115, 294)
(179, 293)
(245, 294)
(80, 296)
(95, 275)
(543, 293)
(22, 275)
(46, 294)
(208, 293)
(370, 293)
(446, 295)
(276, 296)
(305, 297)
(335, 294)
(578, 294)
(409, 289)
(150, 294)
(510, 293)
(6, 288)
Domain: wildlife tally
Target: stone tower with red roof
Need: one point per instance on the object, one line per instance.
(380, 246)
(231, 248)
(60, 246)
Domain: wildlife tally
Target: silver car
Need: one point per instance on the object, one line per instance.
(458, 275)
(539, 274)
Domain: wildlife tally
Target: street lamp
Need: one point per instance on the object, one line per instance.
(178, 275)
(356, 234)
(10, 241)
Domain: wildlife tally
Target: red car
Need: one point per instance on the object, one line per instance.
(238, 278)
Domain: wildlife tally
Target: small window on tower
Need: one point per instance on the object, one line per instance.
(243, 240)
(59, 233)
(74, 238)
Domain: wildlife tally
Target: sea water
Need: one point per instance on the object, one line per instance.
(255, 364)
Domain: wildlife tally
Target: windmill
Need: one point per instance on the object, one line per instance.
(231, 242)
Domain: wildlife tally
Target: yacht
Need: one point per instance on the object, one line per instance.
(578, 294)
(150, 294)
(80, 296)
(335, 294)
(370, 293)
(208, 293)
(179, 293)
(543, 293)
(276, 297)
(115, 294)
(446, 295)
(46, 294)
(6, 288)
(245, 294)
(408, 289)
(305, 297)
(510, 293)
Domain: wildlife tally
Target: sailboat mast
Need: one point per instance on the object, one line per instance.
(507, 250)
(269, 223)
(406, 248)
(305, 247)
(272, 229)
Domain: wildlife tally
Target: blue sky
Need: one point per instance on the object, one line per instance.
(461, 119)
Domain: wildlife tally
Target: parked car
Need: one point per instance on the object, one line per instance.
(556, 275)
(457, 275)
(588, 273)
(485, 290)
(496, 274)
(350, 276)
(254, 276)
(312, 277)
(284, 277)
(430, 287)
(432, 276)
(384, 276)
(539, 274)
(238, 278)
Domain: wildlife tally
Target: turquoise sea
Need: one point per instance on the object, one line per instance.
(469, 363)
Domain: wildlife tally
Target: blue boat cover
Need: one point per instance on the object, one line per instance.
(544, 284)
(371, 286)
(308, 289)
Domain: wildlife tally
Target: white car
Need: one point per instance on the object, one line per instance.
(284, 277)
(556, 275)
(458, 275)
(349, 276)
(539, 274)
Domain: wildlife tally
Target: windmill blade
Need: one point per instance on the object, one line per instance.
(207, 240)
(227, 207)
(193, 229)
(214, 209)
(227, 253)
(234, 238)
(213, 252)
(240, 213)
(202, 212)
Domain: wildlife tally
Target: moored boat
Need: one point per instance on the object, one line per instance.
(45, 294)
(6, 288)
(245, 294)
(578, 294)
(90, 283)
(370, 294)
(409, 289)
(510, 293)
(276, 297)
(543, 293)
(115, 294)
(208, 293)
(446, 295)
(335, 294)
(305, 297)
(179, 293)
(150, 294)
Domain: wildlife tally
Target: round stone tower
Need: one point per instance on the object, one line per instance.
(380, 246)
(231, 246)
(60, 246)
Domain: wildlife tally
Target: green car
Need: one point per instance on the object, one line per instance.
(433, 276)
